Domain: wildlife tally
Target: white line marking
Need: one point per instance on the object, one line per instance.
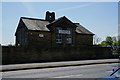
(109, 71)
(68, 76)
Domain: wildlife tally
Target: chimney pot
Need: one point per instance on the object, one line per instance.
(50, 16)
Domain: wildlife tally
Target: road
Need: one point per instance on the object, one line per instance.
(86, 71)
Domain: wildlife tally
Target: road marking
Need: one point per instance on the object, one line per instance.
(109, 71)
(68, 76)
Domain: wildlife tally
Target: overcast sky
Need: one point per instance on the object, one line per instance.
(101, 18)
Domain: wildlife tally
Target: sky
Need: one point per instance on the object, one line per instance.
(119, 20)
(101, 18)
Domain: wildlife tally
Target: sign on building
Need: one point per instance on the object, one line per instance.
(64, 32)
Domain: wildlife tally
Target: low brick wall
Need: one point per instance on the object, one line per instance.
(13, 55)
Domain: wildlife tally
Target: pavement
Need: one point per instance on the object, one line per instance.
(55, 64)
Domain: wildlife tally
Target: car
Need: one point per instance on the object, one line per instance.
(115, 74)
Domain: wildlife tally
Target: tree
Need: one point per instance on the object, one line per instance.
(118, 42)
(109, 41)
(113, 42)
(103, 43)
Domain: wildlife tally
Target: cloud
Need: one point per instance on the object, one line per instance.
(75, 7)
(30, 9)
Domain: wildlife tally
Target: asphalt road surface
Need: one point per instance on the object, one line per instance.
(86, 71)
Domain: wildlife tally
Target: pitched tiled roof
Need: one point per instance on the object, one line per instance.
(35, 24)
(80, 29)
(40, 24)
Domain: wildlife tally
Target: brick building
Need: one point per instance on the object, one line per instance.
(65, 41)
(50, 32)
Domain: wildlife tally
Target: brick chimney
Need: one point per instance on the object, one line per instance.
(50, 16)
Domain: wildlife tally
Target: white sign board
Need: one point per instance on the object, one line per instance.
(64, 31)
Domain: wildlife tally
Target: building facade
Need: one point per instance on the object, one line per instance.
(51, 32)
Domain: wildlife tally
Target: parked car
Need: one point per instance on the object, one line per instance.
(115, 74)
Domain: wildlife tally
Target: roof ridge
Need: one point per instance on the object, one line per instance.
(32, 18)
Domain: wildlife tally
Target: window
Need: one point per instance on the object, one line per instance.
(58, 40)
(41, 35)
(69, 40)
(60, 32)
(69, 37)
(58, 36)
